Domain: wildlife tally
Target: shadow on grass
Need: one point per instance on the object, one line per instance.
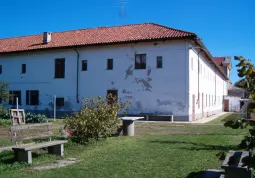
(196, 146)
(8, 158)
(207, 174)
(195, 174)
(231, 117)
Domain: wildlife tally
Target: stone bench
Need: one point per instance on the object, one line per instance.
(234, 167)
(129, 125)
(23, 153)
(147, 115)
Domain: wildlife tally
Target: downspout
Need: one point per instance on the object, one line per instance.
(77, 76)
(198, 94)
(215, 87)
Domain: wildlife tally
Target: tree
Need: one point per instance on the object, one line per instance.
(241, 84)
(246, 72)
(4, 92)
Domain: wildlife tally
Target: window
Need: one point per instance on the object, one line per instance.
(209, 100)
(32, 97)
(60, 101)
(15, 94)
(206, 100)
(159, 62)
(192, 63)
(23, 68)
(199, 100)
(109, 64)
(140, 61)
(114, 96)
(1, 69)
(84, 65)
(60, 68)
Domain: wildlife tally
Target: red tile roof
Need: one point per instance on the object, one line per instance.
(219, 61)
(94, 36)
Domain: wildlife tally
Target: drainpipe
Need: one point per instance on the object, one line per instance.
(198, 72)
(77, 76)
(215, 86)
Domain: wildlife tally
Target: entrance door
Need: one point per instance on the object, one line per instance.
(226, 105)
(193, 107)
(202, 104)
(114, 96)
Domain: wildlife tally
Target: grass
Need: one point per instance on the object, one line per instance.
(158, 150)
(226, 117)
(5, 122)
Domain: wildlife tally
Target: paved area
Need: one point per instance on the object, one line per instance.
(200, 121)
(57, 164)
(7, 148)
(210, 118)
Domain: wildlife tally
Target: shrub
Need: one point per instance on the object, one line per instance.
(35, 118)
(4, 122)
(4, 113)
(97, 119)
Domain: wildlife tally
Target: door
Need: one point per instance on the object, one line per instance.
(193, 107)
(226, 105)
(113, 96)
(202, 104)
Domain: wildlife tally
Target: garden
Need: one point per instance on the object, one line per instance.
(157, 150)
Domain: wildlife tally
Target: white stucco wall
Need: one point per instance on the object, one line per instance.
(208, 82)
(234, 103)
(161, 91)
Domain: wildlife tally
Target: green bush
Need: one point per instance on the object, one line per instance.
(5, 122)
(97, 119)
(30, 117)
(4, 113)
(35, 118)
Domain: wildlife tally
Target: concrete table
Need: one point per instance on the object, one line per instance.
(129, 125)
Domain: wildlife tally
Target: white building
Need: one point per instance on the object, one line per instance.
(162, 70)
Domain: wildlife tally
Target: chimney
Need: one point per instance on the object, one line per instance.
(46, 37)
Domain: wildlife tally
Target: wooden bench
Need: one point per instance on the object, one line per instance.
(234, 167)
(23, 152)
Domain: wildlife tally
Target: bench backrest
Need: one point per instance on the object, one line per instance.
(30, 131)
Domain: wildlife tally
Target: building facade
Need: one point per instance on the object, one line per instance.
(159, 69)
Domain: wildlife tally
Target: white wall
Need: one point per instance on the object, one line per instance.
(234, 103)
(151, 91)
(211, 83)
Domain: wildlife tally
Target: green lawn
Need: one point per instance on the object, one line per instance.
(226, 117)
(158, 150)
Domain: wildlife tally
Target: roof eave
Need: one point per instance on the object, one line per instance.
(206, 51)
(99, 44)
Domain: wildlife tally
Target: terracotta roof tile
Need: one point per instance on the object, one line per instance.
(94, 36)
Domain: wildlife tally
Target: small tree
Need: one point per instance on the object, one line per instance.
(246, 72)
(4, 92)
(97, 119)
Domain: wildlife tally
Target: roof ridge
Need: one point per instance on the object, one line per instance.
(90, 28)
(173, 28)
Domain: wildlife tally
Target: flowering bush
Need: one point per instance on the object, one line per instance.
(97, 119)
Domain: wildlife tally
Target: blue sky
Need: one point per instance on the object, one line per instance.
(227, 27)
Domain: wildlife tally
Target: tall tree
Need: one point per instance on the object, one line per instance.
(246, 72)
